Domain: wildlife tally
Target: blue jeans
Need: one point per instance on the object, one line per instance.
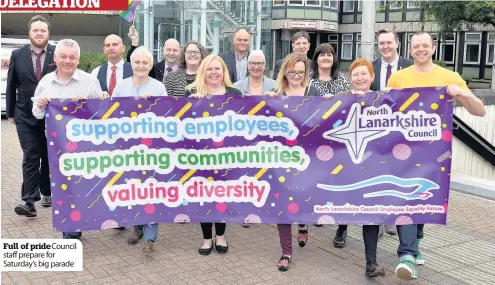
(71, 235)
(150, 232)
(408, 236)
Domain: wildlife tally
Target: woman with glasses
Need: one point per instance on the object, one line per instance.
(212, 79)
(325, 75)
(191, 56)
(292, 80)
(256, 83)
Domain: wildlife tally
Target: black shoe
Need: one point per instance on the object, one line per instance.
(120, 228)
(27, 210)
(46, 201)
(318, 225)
(340, 237)
(245, 225)
(136, 235)
(373, 270)
(221, 248)
(205, 251)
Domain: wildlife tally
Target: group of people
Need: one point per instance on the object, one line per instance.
(40, 71)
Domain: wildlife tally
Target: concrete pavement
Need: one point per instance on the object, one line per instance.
(461, 253)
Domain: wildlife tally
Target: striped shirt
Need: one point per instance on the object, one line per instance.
(241, 66)
(176, 82)
(81, 84)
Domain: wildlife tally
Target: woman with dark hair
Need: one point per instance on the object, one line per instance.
(191, 56)
(325, 75)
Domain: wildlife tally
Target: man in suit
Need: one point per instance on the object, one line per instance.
(300, 45)
(390, 62)
(110, 74)
(237, 59)
(171, 55)
(27, 66)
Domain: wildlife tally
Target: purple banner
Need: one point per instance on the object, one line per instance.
(383, 158)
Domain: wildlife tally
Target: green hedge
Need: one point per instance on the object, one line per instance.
(442, 64)
(90, 61)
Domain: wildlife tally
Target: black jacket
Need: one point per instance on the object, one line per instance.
(22, 78)
(377, 66)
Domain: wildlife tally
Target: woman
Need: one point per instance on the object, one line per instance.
(256, 83)
(362, 75)
(292, 80)
(325, 75)
(191, 56)
(142, 85)
(212, 79)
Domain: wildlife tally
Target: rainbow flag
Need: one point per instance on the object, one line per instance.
(130, 13)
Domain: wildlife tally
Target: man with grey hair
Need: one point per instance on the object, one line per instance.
(237, 59)
(26, 68)
(66, 82)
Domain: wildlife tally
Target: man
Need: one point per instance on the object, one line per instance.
(27, 66)
(300, 45)
(424, 73)
(115, 69)
(237, 59)
(171, 54)
(66, 82)
(110, 74)
(390, 62)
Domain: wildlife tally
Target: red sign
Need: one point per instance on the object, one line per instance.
(5, 64)
(66, 5)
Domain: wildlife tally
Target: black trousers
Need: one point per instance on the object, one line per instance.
(207, 229)
(370, 237)
(35, 167)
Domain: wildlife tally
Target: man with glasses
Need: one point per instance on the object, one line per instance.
(300, 45)
(237, 59)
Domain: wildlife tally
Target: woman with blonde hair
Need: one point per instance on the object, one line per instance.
(292, 80)
(212, 79)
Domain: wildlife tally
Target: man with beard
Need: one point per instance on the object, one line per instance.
(237, 59)
(110, 74)
(27, 66)
(300, 45)
(66, 82)
(424, 73)
(171, 54)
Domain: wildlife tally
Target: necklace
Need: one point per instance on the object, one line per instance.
(250, 84)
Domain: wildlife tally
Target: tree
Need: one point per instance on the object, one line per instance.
(454, 15)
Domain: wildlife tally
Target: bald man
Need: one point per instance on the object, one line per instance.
(237, 59)
(115, 69)
(171, 55)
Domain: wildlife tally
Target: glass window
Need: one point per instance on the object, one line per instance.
(395, 5)
(472, 53)
(358, 50)
(334, 4)
(473, 36)
(316, 3)
(348, 5)
(380, 4)
(489, 54)
(326, 3)
(335, 45)
(347, 51)
(360, 5)
(346, 37)
(447, 52)
(413, 4)
(296, 2)
(278, 2)
(333, 37)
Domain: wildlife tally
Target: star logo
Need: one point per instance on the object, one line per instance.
(353, 136)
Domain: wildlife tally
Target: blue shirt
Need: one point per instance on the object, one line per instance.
(127, 88)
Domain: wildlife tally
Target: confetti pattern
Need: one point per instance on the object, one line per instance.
(293, 194)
